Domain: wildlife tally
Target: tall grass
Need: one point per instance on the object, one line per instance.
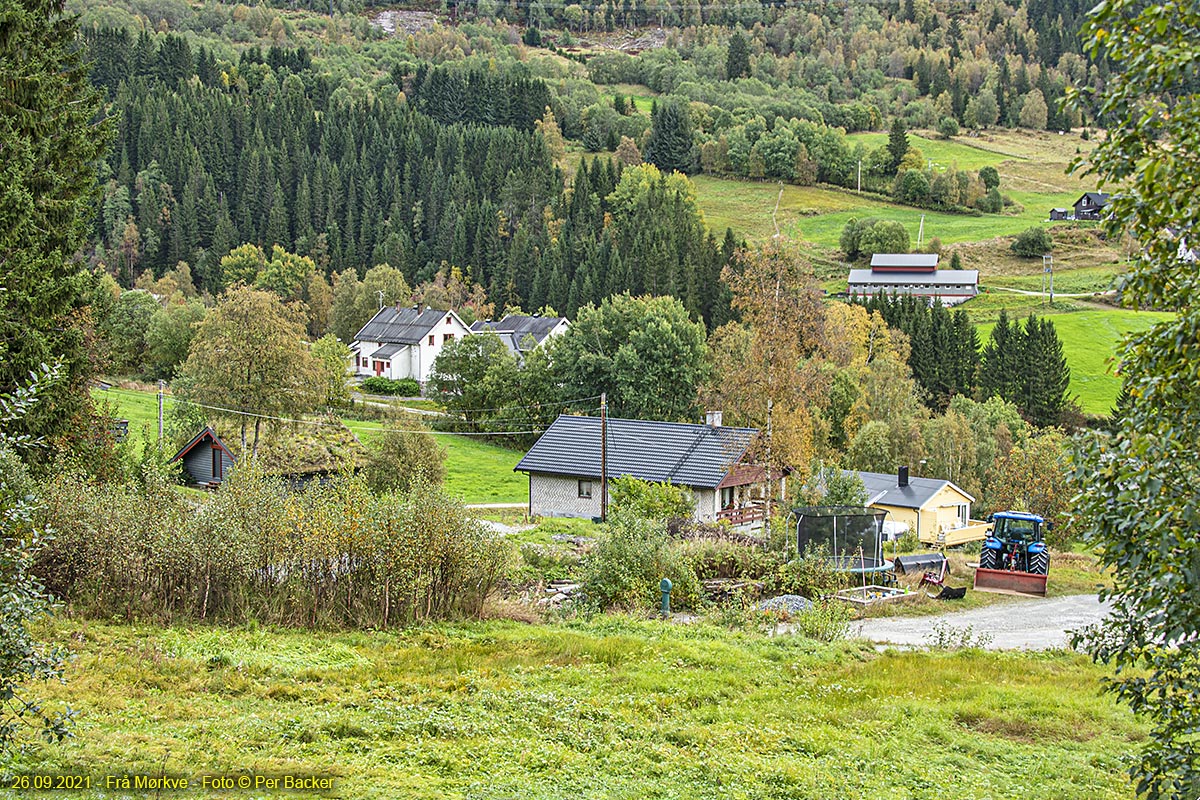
(330, 555)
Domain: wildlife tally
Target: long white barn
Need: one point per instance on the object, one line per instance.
(913, 274)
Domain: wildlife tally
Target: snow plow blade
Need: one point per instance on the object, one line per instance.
(1008, 582)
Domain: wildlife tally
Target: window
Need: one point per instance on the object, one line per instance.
(431, 340)
(449, 337)
(727, 497)
(447, 320)
(964, 515)
(585, 489)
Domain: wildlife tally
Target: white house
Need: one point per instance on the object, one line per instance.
(521, 333)
(917, 274)
(402, 342)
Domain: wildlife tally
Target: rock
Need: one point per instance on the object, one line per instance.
(791, 603)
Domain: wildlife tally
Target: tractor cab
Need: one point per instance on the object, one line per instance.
(1014, 557)
(1017, 527)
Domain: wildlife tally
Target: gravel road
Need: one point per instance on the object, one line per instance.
(1033, 624)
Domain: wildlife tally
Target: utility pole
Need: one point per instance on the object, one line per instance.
(860, 175)
(160, 410)
(1048, 269)
(770, 488)
(603, 456)
(921, 231)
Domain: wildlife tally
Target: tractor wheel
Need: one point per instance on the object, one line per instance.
(987, 558)
(1040, 563)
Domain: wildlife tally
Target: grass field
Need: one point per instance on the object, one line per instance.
(1090, 341)
(818, 214)
(943, 152)
(613, 708)
(642, 96)
(476, 472)
(1032, 169)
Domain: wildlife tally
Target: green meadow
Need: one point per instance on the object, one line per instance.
(817, 214)
(614, 707)
(1091, 339)
(476, 471)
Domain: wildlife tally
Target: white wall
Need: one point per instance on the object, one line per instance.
(558, 496)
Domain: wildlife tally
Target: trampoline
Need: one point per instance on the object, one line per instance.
(852, 535)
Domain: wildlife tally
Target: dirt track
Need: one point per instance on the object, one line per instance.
(1032, 624)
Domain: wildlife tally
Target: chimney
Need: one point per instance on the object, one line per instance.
(712, 418)
(902, 478)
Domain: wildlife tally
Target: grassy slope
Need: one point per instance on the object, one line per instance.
(1032, 170)
(476, 471)
(817, 214)
(1090, 340)
(608, 709)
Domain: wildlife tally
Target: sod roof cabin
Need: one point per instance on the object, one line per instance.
(311, 450)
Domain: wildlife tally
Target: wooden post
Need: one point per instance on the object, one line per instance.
(603, 456)
(160, 410)
(767, 521)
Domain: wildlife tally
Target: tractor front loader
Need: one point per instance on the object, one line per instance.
(1014, 559)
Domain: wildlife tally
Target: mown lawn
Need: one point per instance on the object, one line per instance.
(1091, 340)
(476, 471)
(612, 708)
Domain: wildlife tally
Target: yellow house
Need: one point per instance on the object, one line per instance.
(937, 510)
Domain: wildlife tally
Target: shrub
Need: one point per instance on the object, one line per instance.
(23, 598)
(711, 559)
(542, 563)
(404, 387)
(1032, 242)
(813, 576)
(328, 555)
(908, 542)
(948, 127)
(825, 621)
(656, 501)
(625, 568)
(399, 458)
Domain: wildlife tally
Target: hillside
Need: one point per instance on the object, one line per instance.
(1090, 340)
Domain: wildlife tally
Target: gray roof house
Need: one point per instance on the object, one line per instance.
(1090, 204)
(934, 508)
(913, 273)
(904, 262)
(403, 341)
(522, 333)
(710, 459)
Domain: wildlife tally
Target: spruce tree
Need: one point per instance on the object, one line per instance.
(897, 144)
(996, 360)
(737, 59)
(50, 140)
(670, 147)
(1046, 376)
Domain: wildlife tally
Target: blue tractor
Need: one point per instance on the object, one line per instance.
(1014, 556)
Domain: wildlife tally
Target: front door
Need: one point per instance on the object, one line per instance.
(378, 367)
(216, 463)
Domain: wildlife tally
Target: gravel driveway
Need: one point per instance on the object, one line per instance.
(1033, 624)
